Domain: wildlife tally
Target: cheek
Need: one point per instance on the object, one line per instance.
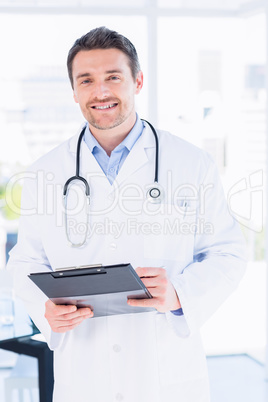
(80, 95)
(82, 101)
(128, 97)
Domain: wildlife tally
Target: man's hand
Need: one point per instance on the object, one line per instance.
(64, 318)
(164, 295)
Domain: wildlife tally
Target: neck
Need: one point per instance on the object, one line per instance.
(109, 139)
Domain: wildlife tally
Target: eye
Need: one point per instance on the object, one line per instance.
(114, 78)
(85, 82)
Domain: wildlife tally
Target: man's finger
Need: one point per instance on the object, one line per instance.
(66, 325)
(64, 328)
(150, 271)
(152, 282)
(73, 321)
(156, 292)
(57, 310)
(80, 312)
(142, 302)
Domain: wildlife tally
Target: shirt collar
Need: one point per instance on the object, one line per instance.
(133, 135)
(90, 140)
(128, 142)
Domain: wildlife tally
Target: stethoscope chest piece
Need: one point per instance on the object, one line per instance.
(155, 194)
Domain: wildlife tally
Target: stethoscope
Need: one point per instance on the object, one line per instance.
(154, 194)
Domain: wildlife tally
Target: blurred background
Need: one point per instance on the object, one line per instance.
(205, 69)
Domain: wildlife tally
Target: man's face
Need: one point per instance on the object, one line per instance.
(105, 88)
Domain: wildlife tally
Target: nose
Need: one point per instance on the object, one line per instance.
(100, 90)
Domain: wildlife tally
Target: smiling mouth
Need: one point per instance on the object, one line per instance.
(105, 106)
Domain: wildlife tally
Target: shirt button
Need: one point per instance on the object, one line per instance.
(111, 169)
(119, 397)
(113, 246)
(117, 348)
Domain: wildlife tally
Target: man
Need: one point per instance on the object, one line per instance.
(187, 249)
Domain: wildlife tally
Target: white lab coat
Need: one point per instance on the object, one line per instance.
(134, 357)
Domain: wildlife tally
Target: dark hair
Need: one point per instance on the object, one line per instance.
(104, 38)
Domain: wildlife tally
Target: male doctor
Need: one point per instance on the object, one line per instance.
(187, 248)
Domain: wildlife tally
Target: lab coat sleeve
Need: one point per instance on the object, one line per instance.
(219, 261)
(28, 256)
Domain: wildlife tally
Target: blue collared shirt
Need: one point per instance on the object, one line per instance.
(112, 164)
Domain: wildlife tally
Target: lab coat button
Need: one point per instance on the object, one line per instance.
(119, 397)
(113, 246)
(117, 348)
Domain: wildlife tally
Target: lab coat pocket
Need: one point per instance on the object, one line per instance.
(172, 231)
(179, 359)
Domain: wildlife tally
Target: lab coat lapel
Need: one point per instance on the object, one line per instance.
(137, 157)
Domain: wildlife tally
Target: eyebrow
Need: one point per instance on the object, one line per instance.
(114, 71)
(82, 75)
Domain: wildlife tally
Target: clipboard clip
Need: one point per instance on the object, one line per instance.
(79, 270)
(79, 267)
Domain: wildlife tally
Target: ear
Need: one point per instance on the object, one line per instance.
(139, 82)
(75, 97)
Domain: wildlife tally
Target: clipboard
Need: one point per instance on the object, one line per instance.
(105, 289)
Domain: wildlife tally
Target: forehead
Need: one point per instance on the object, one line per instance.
(100, 60)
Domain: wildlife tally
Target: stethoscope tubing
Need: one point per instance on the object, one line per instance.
(156, 150)
(77, 175)
(154, 193)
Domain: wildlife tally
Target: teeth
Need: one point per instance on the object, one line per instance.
(104, 107)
